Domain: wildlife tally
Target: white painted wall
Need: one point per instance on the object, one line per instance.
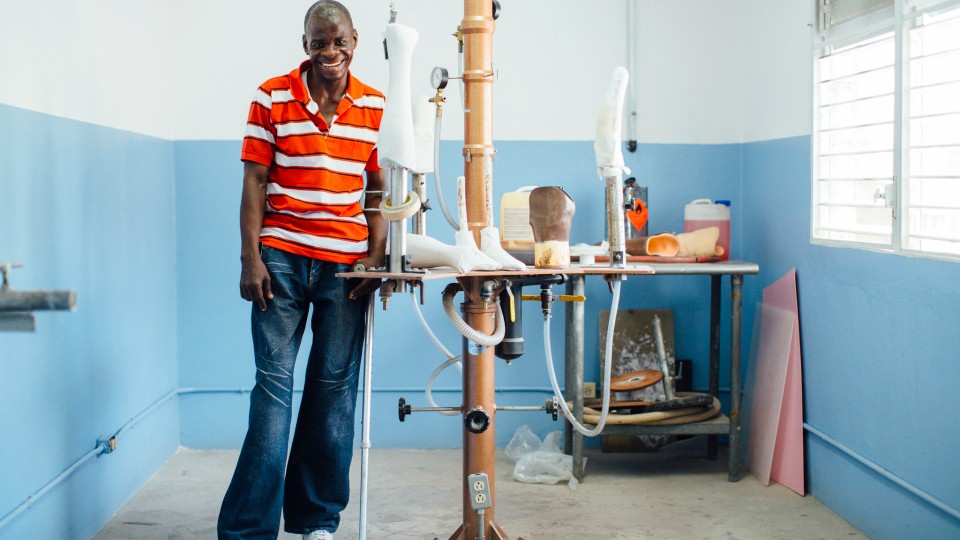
(186, 70)
(105, 62)
(778, 68)
(554, 62)
(690, 78)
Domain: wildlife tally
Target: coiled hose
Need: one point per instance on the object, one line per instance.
(686, 415)
(465, 330)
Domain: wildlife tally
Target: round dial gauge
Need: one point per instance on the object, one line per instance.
(439, 78)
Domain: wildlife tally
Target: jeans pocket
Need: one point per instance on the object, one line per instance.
(276, 261)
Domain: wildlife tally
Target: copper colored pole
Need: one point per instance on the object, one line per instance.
(478, 366)
(479, 448)
(477, 28)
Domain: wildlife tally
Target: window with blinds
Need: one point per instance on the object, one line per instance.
(887, 125)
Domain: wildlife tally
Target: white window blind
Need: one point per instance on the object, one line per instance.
(887, 134)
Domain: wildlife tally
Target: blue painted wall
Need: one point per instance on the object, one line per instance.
(91, 209)
(880, 350)
(213, 321)
(146, 231)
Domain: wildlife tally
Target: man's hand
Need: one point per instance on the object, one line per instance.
(254, 278)
(255, 283)
(367, 285)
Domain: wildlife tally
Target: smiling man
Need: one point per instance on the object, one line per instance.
(311, 138)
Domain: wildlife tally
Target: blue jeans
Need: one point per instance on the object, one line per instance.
(316, 486)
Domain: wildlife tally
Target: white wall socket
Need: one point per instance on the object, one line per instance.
(589, 390)
(480, 488)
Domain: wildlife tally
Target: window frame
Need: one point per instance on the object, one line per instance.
(867, 26)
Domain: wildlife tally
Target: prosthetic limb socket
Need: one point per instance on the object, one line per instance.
(551, 215)
(699, 243)
(396, 144)
(610, 163)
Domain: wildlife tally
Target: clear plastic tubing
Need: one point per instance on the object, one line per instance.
(607, 369)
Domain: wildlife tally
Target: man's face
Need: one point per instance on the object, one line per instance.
(330, 45)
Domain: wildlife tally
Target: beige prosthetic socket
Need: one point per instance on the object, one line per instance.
(551, 215)
(700, 243)
(661, 245)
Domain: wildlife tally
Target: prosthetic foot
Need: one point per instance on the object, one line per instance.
(426, 252)
(551, 214)
(464, 237)
(490, 246)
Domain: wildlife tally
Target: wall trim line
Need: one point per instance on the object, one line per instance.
(926, 497)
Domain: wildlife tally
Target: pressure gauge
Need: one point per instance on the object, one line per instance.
(439, 78)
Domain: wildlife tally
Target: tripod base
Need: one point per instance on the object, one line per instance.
(496, 533)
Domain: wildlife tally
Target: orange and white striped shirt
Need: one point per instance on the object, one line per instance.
(316, 171)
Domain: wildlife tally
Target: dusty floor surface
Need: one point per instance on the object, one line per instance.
(415, 494)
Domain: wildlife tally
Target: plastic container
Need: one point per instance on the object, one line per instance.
(516, 235)
(703, 213)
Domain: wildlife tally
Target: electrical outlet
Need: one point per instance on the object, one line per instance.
(480, 491)
(589, 390)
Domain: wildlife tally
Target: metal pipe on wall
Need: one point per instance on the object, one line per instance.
(37, 300)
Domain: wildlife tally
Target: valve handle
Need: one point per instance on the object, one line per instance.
(404, 409)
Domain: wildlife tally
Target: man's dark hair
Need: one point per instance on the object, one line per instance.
(327, 10)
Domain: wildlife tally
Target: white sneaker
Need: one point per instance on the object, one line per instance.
(318, 535)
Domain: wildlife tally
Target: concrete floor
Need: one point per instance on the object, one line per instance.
(415, 494)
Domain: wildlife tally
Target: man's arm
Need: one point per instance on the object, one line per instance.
(254, 278)
(377, 235)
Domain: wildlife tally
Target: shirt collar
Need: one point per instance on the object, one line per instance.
(298, 87)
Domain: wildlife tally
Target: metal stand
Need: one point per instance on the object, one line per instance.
(479, 447)
(573, 440)
(365, 422)
(721, 425)
(478, 394)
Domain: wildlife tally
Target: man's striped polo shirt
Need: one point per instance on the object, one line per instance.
(316, 171)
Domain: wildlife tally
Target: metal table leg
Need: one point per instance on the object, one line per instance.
(714, 383)
(736, 299)
(365, 416)
(573, 372)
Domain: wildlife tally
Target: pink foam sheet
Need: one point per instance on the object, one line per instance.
(772, 356)
(788, 459)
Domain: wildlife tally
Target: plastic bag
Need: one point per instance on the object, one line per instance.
(540, 462)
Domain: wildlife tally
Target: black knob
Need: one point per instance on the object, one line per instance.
(404, 409)
(496, 10)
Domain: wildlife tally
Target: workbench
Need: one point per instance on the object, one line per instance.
(720, 425)
(574, 349)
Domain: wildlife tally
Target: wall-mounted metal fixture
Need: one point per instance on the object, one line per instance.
(17, 307)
